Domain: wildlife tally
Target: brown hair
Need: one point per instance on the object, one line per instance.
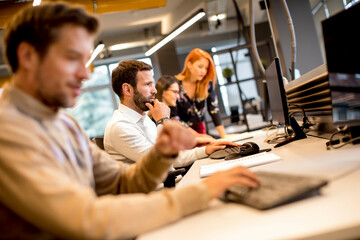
(201, 86)
(163, 84)
(40, 25)
(126, 72)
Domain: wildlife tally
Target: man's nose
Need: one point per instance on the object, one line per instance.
(154, 91)
(83, 72)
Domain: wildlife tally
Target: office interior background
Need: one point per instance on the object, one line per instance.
(130, 27)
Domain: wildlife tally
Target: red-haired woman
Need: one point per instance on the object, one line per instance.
(197, 88)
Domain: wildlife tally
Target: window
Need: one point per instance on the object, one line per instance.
(349, 3)
(96, 104)
(246, 82)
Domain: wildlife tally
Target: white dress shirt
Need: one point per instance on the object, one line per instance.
(129, 135)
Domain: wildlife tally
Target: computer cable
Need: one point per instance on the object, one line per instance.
(275, 137)
(342, 141)
(306, 122)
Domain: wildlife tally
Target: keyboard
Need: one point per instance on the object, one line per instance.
(275, 189)
(248, 161)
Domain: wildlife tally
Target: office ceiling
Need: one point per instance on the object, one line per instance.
(9, 7)
(145, 21)
(146, 26)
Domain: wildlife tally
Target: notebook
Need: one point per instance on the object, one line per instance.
(248, 161)
(275, 189)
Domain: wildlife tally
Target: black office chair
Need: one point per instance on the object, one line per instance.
(99, 142)
(169, 182)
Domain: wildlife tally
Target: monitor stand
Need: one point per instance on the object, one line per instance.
(299, 133)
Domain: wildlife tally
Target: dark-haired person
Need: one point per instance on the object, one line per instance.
(54, 182)
(168, 91)
(131, 133)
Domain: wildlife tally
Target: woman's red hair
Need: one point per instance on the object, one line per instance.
(201, 86)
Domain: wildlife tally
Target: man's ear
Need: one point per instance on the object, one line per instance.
(27, 56)
(127, 89)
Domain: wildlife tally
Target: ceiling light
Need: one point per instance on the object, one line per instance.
(217, 17)
(122, 46)
(36, 2)
(97, 50)
(193, 19)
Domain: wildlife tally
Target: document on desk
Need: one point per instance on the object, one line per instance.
(248, 161)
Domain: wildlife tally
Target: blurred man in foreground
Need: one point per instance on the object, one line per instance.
(54, 182)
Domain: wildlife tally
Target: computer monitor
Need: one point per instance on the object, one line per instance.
(345, 98)
(342, 48)
(278, 102)
(276, 91)
(342, 41)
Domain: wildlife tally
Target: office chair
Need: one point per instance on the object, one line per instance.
(170, 180)
(99, 142)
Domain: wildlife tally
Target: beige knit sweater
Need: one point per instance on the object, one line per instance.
(55, 183)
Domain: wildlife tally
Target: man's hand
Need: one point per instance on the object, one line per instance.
(218, 145)
(159, 110)
(218, 182)
(173, 138)
(203, 141)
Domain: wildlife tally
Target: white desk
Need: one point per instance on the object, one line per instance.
(335, 214)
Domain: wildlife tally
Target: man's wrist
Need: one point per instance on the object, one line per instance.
(166, 155)
(162, 120)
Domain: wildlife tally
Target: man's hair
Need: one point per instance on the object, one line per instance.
(40, 27)
(126, 72)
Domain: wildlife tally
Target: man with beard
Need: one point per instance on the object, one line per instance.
(54, 182)
(131, 133)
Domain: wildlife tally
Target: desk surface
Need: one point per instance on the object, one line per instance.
(335, 214)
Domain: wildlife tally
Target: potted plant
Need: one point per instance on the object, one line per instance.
(227, 73)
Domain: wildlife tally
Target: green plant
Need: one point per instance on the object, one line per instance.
(227, 72)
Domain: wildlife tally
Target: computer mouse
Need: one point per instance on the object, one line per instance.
(246, 149)
(249, 148)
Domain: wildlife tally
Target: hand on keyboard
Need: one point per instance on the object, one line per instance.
(275, 189)
(220, 181)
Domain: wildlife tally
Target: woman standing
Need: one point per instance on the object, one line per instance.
(197, 88)
(168, 90)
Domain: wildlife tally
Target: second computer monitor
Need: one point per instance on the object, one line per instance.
(276, 91)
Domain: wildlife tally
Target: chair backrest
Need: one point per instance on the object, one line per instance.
(99, 141)
(170, 180)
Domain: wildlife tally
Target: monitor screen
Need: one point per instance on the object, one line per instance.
(345, 98)
(276, 91)
(342, 48)
(342, 41)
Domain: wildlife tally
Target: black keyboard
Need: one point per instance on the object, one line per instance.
(275, 189)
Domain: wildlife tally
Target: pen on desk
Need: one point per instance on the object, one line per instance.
(285, 142)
